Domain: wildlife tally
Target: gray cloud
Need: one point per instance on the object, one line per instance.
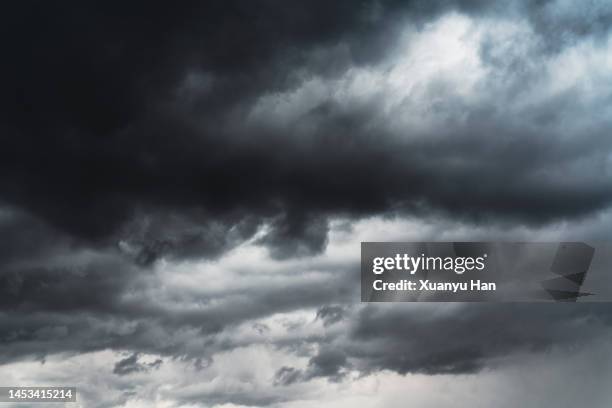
(131, 364)
(465, 339)
(198, 88)
(149, 153)
(331, 314)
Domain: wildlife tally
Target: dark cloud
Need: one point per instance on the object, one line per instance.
(137, 134)
(331, 314)
(328, 363)
(467, 338)
(287, 376)
(299, 235)
(104, 115)
(113, 113)
(461, 339)
(131, 365)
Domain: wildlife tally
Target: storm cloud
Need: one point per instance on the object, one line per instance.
(243, 113)
(184, 187)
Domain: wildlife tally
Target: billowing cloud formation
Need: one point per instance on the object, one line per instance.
(183, 188)
(116, 116)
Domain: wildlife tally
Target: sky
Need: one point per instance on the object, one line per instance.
(184, 188)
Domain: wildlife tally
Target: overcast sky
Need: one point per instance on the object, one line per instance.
(184, 187)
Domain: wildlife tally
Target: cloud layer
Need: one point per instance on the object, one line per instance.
(183, 191)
